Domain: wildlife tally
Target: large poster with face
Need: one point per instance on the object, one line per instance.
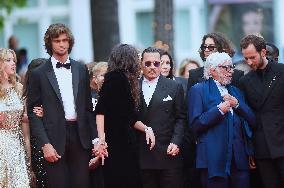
(238, 18)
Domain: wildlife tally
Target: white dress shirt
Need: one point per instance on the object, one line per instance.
(148, 89)
(223, 91)
(64, 80)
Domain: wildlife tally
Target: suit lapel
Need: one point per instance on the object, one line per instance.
(52, 79)
(256, 84)
(75, 78)
(158, 93)
(273, 78)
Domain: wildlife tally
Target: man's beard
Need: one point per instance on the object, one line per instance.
(226, 81)
(261, 62)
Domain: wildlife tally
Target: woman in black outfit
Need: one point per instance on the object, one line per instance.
(116, 117)
(37, 158)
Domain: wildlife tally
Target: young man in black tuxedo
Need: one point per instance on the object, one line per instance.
(64, 133)
(263, 87)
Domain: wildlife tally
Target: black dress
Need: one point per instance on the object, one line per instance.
(117, 105)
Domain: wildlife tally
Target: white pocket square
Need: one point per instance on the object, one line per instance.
(169, 98)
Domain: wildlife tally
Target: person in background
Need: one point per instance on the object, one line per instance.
(98, 72)
(272, 52)
(167, 69)
(186, 65)
(37, 158)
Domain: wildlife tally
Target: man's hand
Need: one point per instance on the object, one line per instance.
(38, 110)
(173, 149)
(224, 106)
(150, 138)
(50, 154)
(100, 151)
(231, 99)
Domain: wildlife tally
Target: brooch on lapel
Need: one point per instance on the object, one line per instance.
(169, 98)
(273, 79)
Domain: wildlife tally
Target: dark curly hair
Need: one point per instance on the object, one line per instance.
(125, 57)
(53, 31)
(258, 42)
(221, 42)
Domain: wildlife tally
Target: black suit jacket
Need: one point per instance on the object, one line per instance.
(44, 90)
(196, 76)
(167, 118)
(266, 100)
(183, 82)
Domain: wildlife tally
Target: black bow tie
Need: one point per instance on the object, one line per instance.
(65, 65)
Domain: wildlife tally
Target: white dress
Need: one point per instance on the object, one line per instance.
(14, 171)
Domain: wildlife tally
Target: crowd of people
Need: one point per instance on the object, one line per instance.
(131, 123)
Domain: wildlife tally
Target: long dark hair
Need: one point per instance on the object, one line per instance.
(125, 57)
(171, 72)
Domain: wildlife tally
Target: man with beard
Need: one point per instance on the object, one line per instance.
(264, 90)
(222, 122)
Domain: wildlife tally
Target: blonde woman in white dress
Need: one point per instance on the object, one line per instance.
(14, 135)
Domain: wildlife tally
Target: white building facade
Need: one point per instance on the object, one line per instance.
(135, 23)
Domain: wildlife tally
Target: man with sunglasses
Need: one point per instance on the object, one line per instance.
(213, 42)
(222, 121)
(162, 109)
(264, 89)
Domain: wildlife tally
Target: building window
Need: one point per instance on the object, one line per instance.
(145, 34)
(57, 2)
(27, 35)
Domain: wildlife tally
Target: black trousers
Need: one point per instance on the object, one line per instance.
(162, 178)
(72, 170)
(271, 172)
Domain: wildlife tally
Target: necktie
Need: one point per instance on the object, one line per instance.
(65, 65)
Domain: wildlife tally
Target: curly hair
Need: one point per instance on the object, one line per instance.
(221, 42)
(4, 52)
(258, 42)
(53, 31)
(125, 57)
(186, 62)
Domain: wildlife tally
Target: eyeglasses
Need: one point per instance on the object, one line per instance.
(227, 67)
(210, 47)
(155, 63)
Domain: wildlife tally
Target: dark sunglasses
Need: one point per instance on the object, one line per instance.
(227, 67)
(210, 48)
(155, 63)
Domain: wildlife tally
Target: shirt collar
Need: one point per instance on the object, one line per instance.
(54, 61)
(145, 80)
(218, 84)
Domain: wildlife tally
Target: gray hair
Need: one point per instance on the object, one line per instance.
(214, 60)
